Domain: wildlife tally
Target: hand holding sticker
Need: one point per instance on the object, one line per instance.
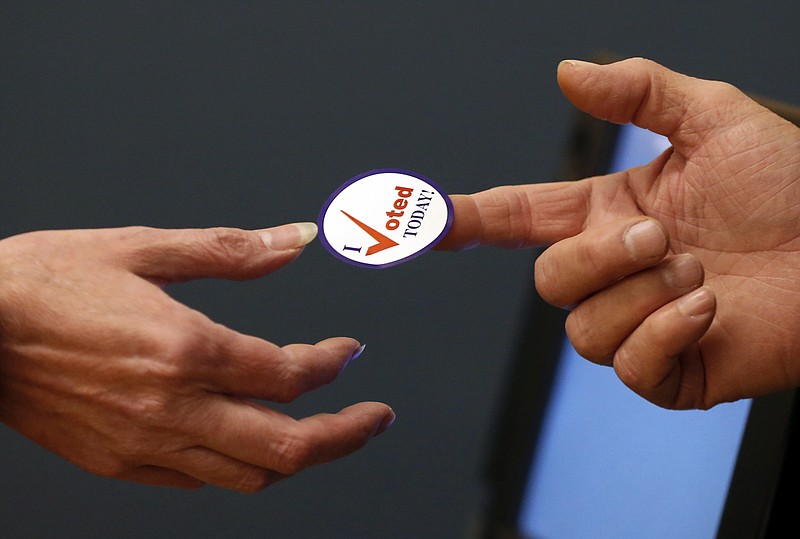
(384, 217)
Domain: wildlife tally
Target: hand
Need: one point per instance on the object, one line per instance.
(101, 366)
(630, 250)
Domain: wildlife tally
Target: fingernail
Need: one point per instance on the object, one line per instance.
(684, 272)
(575, 63)
(645, 240)
(358, 351)
(386, 422)
(287, 237)
(696, 303)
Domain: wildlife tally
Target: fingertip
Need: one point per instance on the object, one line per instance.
(571, 71)
(386, 422)
(698, 303)
(288, 237)
(646, 240)
(358, 351)
(660, 361)
(346, 345)
(606, 91)
(572, 64)
(465, 232)
(378, 415)
(355, 354)
(345, 348)
(683, 272)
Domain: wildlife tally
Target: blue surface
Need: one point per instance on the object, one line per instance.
(610, 464)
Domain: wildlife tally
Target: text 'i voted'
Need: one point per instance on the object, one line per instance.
(384, 217)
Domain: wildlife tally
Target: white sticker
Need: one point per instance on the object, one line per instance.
(384, 217)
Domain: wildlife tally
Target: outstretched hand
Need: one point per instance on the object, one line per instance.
(101, 366)
(684, 274)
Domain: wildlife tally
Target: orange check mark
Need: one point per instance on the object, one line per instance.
(383, 241)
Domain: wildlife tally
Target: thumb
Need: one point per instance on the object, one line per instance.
(170, 256)
(644, 93)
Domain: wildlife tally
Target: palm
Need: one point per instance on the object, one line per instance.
(733, 201)
(727, 193)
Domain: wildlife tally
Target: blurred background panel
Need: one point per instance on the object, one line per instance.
(249, 114)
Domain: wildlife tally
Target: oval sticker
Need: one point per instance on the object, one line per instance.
(384, 217)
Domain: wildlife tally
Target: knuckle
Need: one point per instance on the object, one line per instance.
(585, 339)
(721, 91)
(294, 454)
(291, 383)
(566, 272)
(628, 371)
(154, 410)
(230, 243)
(593, 257)
(137, 411)
(639, 376)
(574, 328)
(515, 213)
(547, 282)
(140, 243)
(180, 347)
(639, 62)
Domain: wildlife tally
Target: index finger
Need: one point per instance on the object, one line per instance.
(518, 216)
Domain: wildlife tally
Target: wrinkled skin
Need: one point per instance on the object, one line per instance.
(101, 366)
(701, 307)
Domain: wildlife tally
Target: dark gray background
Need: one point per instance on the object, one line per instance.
(248, 114)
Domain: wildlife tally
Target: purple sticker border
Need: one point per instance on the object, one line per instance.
(348, 183)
